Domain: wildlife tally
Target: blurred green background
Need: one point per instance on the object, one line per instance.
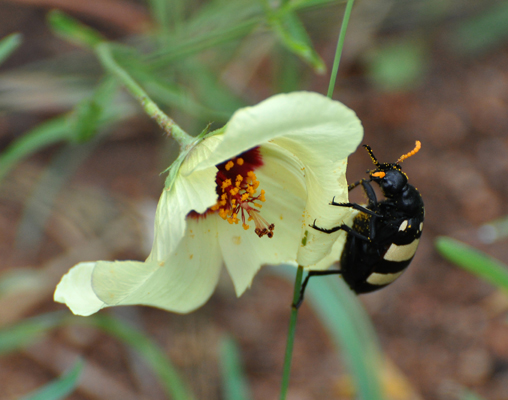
(79, 180)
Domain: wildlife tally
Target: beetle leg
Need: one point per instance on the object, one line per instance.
(306, 281)
(353, 185)
(369, 191)
(356, 207)
(343, 227)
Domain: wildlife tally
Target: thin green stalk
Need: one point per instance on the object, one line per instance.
(291, 336)
(340, 45)
(169, 126)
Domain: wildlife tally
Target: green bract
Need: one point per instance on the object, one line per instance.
(296, 147)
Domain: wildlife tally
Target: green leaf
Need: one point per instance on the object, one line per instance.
(72, 30)
(474, 261)
(60, 388)
(397, 65)
(301, 4)
(24, 333)
(466, 394)
(294, 37)
(234, 382)
(8, 45)
(485, 31)
(49, 132)
(150, 351)
(350, 328)
(88, 114)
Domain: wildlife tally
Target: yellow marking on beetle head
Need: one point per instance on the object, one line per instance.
(379, 174)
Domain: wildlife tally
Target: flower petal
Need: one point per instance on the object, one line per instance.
(181, 283)
(330, 125)
(321, 133)
(194, 192)
(281, 177)
(75, 290)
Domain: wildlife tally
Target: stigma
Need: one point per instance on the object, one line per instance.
(239, 197)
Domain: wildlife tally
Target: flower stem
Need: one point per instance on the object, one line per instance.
(169, 126)
(340, 45)
(291, 336)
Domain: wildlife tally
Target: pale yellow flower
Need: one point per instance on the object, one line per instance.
(243, 197)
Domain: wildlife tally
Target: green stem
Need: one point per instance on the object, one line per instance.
(340, 45)
(169, 126)
(291, 336)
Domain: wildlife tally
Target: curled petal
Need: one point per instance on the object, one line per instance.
(181, 283)
(75, 290)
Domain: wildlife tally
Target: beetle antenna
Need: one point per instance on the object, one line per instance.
(417, 148)
(371, 154)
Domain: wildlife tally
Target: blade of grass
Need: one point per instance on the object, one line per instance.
(45, 134)
(352, 332)
(350, 329)
(474, 261)
(150, 351)
(469, 395)
(60, 388)
(31, 329)
(483, 32)
(88, 115)
(23, 334)
(73, 31)
(340, 46)
(286, 373)
(8, 45)
(234, 382)
(294, 37)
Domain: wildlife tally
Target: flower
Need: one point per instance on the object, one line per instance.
(243, 196)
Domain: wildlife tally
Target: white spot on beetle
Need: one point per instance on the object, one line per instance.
(421, 226)
(383, 279)
(401, 252)
(403, 226)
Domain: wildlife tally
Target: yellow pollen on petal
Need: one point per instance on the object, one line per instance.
(238, 201)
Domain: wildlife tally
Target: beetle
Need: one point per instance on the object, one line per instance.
(384, 234)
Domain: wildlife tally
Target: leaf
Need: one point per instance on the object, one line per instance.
(469, 395)
(483, 32)
(150, 351)
(72, 30)
(473, 260)
(24, 333)
(397, 65)
(294, 37)
(233, 377)
(49, 132)
(85, 120)
(60, 388)
(342, 314)
(8, 45)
